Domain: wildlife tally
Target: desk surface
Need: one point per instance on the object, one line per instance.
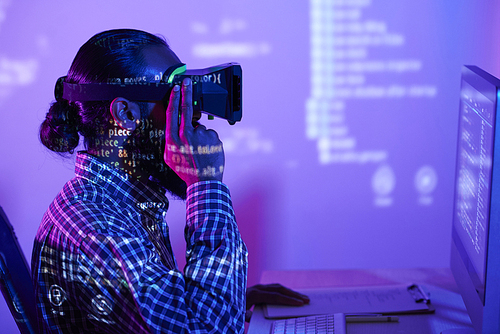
(450, 310)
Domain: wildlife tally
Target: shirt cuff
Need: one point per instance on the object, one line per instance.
(206, 197)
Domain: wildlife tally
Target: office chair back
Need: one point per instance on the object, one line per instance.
(15, 279)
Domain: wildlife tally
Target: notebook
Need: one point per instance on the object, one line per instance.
(391, 299)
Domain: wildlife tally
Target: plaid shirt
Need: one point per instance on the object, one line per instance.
(102, 260)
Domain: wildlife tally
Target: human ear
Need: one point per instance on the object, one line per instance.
(126, 114)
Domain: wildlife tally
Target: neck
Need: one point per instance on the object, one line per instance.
(110, 148)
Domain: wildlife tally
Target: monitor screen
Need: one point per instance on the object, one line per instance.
(475, 192)
(474, 159)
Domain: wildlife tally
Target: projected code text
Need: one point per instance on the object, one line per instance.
(474, 173)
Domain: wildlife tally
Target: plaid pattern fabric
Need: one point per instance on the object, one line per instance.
(102, 260)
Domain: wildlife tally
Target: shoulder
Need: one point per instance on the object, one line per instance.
(82, 210)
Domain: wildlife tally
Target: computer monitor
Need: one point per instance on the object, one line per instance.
(475, 250)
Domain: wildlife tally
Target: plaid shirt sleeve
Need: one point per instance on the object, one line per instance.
(115, 282)
(210, 296)
(216, 268)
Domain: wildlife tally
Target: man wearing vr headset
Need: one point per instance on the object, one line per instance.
(102, 260)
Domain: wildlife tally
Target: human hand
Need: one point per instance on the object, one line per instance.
(273, 294)
(193, 152)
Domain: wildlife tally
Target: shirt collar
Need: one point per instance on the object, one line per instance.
(143, 196)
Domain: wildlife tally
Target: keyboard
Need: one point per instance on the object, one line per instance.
(317, 324)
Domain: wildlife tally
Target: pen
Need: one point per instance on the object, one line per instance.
(377, 318)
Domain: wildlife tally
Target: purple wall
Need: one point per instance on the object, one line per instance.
(345, 154)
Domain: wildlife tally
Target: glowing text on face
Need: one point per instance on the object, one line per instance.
(189, 149)
(208, 171)
(215, 78)
(182, 154)
(118, 132)
(119, 142)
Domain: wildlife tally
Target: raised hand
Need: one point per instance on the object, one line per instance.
(193, 152)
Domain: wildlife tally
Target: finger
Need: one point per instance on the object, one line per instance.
(186, 106)
(276, 298)
(248, 315)
(257, 296)
(278, 288)
(172, 113)
(287, 300)
(283, 290)
(294, 294)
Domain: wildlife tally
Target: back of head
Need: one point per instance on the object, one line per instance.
(106, 56)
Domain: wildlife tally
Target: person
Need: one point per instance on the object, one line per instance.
(102, 260)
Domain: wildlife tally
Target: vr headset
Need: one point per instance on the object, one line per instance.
(216, 90)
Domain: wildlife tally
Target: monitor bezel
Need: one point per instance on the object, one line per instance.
(484, 314)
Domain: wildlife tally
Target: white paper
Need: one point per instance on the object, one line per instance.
(372, 299)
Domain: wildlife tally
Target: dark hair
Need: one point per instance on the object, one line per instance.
(107, 55)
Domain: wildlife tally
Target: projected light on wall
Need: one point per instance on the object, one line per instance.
(342, 70)
(15, 72)
(226, 47)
